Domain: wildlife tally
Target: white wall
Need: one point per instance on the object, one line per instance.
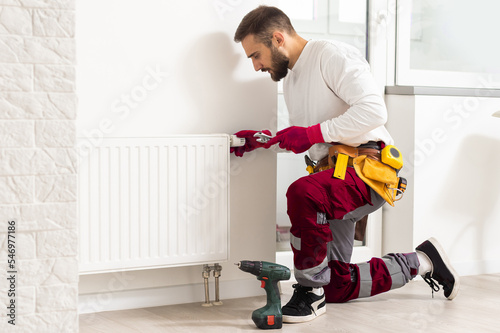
(451, 146)
(156, 68)
(397, 226)
(38, 248)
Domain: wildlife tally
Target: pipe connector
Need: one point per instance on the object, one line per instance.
(217, 269)
(206, 274)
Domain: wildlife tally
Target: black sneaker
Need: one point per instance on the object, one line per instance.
(304, 305)
(441, 270)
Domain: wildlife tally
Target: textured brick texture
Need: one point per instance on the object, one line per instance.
(38, 163)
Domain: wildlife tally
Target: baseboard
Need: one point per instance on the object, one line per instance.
(477, 267)
(145, 298)
(463, 268)
(285, 258)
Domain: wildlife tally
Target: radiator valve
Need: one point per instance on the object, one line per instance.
(234, 141)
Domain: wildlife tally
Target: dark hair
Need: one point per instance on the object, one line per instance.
(262, 22)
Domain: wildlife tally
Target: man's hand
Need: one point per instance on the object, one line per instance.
(297, 139)
(251, 142)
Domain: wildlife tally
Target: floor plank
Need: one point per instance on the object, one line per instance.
(408, 309)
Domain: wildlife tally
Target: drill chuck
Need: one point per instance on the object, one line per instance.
(252, 267)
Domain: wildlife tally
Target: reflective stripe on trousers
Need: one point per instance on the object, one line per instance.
(400, 267)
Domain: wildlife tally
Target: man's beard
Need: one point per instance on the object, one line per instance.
(279, 64)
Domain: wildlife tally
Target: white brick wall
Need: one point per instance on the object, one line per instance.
(38, 163)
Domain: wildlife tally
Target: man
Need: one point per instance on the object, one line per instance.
(331, 97)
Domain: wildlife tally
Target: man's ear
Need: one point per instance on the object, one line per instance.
(278, 38)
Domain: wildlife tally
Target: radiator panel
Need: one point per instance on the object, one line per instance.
(153, 202)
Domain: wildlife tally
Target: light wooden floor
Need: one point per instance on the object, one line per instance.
(408, 309)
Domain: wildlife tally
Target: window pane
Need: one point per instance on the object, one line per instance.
(459, 36)
(299, 9)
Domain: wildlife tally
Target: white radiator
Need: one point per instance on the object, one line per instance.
(153, 202)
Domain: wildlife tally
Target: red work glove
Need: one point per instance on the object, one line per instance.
(297, 139)
(250, 142)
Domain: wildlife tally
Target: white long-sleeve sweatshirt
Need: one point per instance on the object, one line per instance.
(331, 84)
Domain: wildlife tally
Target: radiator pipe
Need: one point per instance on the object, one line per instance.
(216, 268)
(217, 274)
(206, 275)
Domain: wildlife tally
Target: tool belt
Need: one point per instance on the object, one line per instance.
(367, 162)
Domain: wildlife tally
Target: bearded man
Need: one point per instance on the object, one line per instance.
(332, 100)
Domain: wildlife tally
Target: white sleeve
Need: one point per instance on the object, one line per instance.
(349, 77)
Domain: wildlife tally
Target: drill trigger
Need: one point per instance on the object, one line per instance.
(262, 284)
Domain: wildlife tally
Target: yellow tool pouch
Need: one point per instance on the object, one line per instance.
(380, 172)
(379, 176)
(376, 168)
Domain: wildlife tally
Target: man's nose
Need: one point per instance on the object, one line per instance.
(257, 65)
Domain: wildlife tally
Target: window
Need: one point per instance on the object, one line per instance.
(448, 43)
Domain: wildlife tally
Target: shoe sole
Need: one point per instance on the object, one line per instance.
(302, 319)
(446, 261)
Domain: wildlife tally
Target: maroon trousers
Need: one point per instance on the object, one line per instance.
(323, 211)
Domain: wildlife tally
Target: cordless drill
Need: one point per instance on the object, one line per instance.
(269, 316)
